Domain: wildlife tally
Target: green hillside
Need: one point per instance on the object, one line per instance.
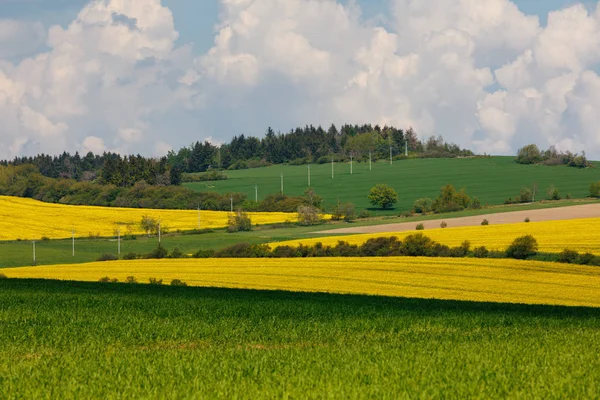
(491, 179)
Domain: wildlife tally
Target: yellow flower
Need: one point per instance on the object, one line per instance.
(582, 235)
(495, 280)
(31, 220)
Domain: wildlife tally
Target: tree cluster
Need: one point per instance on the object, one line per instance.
(26, 181)
(531, 154)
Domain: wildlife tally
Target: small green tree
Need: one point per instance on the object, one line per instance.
(383, 196)
(529, 154)
(522, 247)
(595, 189)
(422, 205)
(553, 193)
(149, 225)
(309, 215)
(239, 222)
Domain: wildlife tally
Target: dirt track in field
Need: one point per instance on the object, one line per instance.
(548, 214)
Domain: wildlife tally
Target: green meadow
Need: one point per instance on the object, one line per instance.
(89, 340)
(491, 179)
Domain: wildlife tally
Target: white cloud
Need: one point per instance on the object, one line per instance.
(93, 144)
(480, 73)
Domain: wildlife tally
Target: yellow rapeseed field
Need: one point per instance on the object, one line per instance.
(582, 235)
(493, 280)
(31, 220)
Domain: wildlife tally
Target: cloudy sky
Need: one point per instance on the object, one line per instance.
(145, 76)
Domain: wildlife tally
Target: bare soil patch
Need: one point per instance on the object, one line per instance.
(548, 214)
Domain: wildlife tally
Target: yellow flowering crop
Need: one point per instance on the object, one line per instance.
(30, 219)
(582, 235)
(494, 280)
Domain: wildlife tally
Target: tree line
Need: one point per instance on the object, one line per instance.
(299, 146)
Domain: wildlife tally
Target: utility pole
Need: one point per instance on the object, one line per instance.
(308, 175)
(73, 235)
(406, 148)
(332, 175)
(119, 241)
(198, 216)
(256, 193)
(282, 183)
(231, 200)
(33, 252)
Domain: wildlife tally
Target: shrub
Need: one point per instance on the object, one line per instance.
(420, 227)
(345, 249)
(176, 253)
(417, 245)
(527, 219)
(485, 222)
(568, 256)
(462, 250)
(149, 225)
(481, 252)
(2, 276)
(450, 200)
(476, 204)
(130, 256)
(106, 279)
(380, 247)
(595, 189)
(107, 257)
(526, 196)
(586, 259)
(239, 222)
(441, 250)
(154, 281)
(383, 196)
(443, 224)
(529, 154)
(130, 279)
(522, 247)
(204, 254)
(284, 252)
(364, 214)
(158, 253)
(309, 215)
(244, 250)
(553, 193)
(240, 164)
(422, 205)
(45, 239)
(177, 282)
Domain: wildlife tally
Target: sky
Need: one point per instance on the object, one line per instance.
(148, 76)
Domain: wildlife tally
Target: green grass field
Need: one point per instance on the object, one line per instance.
(89, 340)
(492, 180)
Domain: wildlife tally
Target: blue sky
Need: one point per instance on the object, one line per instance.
(485, 75)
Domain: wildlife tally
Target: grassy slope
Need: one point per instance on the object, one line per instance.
(492, 180)
(86, 340)
(14, 254)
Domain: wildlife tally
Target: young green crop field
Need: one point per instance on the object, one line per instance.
(89, 340)
(491, 179)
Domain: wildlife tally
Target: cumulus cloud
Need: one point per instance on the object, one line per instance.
(482, 74)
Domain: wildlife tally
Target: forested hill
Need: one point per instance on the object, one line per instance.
(301, 145)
